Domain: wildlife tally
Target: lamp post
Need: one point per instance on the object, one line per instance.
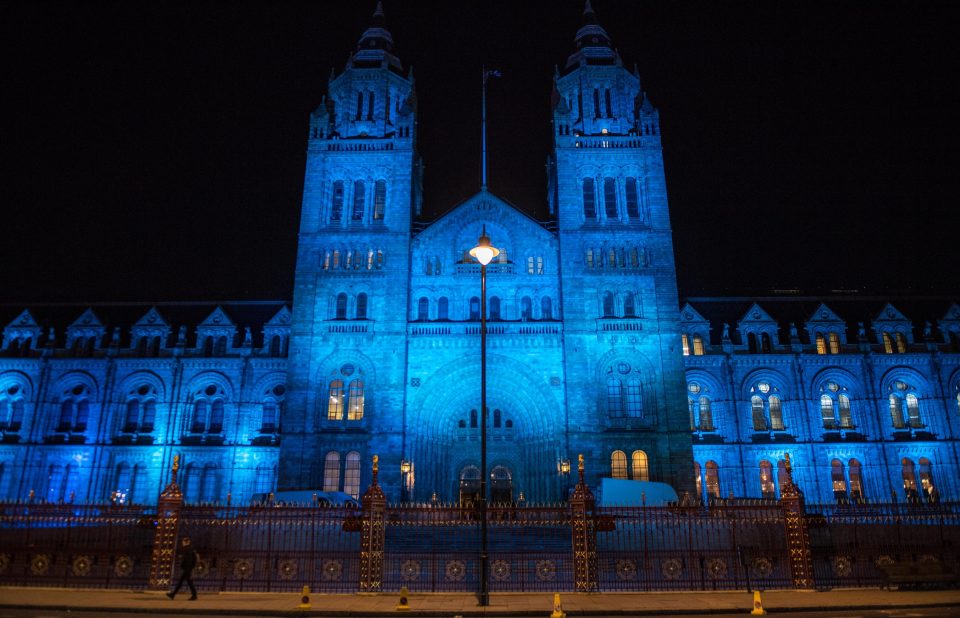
(483, 253)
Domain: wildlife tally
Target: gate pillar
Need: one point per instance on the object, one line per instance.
(165, 535)
(583, 523)
(372, 533)
(795, 526)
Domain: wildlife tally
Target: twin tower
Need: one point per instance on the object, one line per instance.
(583, 335)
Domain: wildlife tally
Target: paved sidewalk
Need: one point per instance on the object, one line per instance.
(437, 605)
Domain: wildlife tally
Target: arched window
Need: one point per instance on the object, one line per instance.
(640, 466)
(766, 343)
(691, 407)
(370, 100)
(336, 206)
(423, 309)
(610, 198)
(838, 481)
(546, 308)
(759, 417)
(443, 308)
(629, 306)
(614, 397)
(589, 260)
(210, 484)
(913, 410)
(634, 397)
(589, 200)
(697, 345)
(901, 343)
(351, 474)
(776, 413)
(821, 344)
(685, 344)
(497, 418)
(713, 479)
(618, 465)
(474, 308)
(896, 412)
(926, 481)
(767, 487)
(846, 419)
(74, 409)
(11, 410)
(356, 401)
(358, 200)
(494, 308)
(834, 339)
(752, 343)
(335, 401)
(362, 306)
(608, 105)
(473, 419)
(904, 406)
(887, 343)
(596, 102)
(526, 308)
(827, 412)
(706, 414)
(698, 478)
(379, 200)
(909, 481)
(857, 493)
(608, 304)
(331, 472)
(341, 309)
(633, 201)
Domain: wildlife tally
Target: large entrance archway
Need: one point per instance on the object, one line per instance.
(524, 433)
(469, 486)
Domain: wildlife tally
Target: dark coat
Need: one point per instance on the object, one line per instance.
(188, 558)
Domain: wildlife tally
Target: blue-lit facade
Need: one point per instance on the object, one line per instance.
(590, 350)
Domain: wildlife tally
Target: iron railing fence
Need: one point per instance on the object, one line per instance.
(850, 543)
(75, 545)
(435, 548)
(274, 548)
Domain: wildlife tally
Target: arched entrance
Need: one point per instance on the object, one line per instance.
(469, 486)
(501, 485)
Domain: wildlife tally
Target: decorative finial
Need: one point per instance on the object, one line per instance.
(174, 468)
(580, 466)
(587, 8)
(379, 10)
(786, 465)
(376, 468)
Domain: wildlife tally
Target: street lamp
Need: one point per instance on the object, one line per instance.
(563, 469)
(405, 468)
(483, 253)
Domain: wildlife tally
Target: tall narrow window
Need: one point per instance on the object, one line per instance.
(634, 398)
(370, 99)
(896, 412)
(526, 308)
(423, 309)
(351, 475)
(821, 344)
(685, 344)
(443, 308)
(834, 340)
(494, 310)
(359, 196)
(607, 304)
(926, 481)
(216, 416)
(341, 310)
(359, 106)
(691, 407)
(827, 412)
(629, 306)
(589, 258)
(589, 200)
(379, 199)
(768, 489)
(640, 466)
(497, 418)
(596, 102)
(608, 103)
(618, 465)
(838, 481)
(901, 343)
(356, 401)
(335, 401)
(706, 415)
(697, 345)
(776, 414)
(913, 410)
(713, 479)
(698, 477)
(857, 493)
(362, 306)
(474, 308)
(759, 416)
(473, 419)
(610, 198)
(546, 308)
(909, 481)
(331, 472)
(633, 199)
(846, 419)
(614, 397)
(887, 343)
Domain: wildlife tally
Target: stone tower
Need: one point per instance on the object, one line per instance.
(361, 186)
(625, 375)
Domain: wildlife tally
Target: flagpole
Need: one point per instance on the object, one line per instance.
(483, 129)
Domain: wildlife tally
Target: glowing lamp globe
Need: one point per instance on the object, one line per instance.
(484, 252)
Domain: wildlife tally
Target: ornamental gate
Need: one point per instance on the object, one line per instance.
(726, 545)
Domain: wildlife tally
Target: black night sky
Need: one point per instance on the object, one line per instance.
(155, 151)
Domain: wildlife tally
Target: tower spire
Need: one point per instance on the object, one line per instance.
(487, 73)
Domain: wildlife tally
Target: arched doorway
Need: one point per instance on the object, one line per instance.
(469, 486)
(501, 485)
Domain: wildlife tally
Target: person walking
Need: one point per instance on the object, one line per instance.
(188, 562)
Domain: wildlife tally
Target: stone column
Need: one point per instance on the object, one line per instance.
(795, 527)
(372, 534)
(165, 537)
(583, 524)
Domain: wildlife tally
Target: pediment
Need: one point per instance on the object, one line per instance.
(151, 319)
(889, 313)
(689, 315)
(756, 315)
(87, 319)
(217, 319)
(24, 320)
(824, 315)
(281, 318)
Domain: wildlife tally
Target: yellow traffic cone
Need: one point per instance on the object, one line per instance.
(403, 605)
(757, 605)
(304, 598)
(557, 607)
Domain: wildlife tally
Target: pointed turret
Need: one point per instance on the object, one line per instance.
(593, 44)
(375, 47)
